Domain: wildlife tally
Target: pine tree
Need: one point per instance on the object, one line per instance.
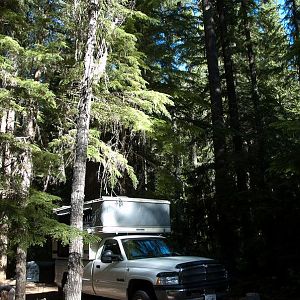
(292, 8)
(258, 155)
(73, 285)
(120, 100)
(241, 177)
(175, 51)
(26, 57)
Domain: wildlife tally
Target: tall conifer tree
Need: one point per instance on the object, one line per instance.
(241, 177)
(258, 165)
(73, 286)
(293, 19)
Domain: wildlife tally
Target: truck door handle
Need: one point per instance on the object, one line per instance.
(98, 266)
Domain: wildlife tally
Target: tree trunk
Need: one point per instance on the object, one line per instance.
(7, 126)
(241, 176)
(219, 141)
(74, 281)
(24, 172)
(258, 165)
(21, 273)
(3, 249)
(223, 223)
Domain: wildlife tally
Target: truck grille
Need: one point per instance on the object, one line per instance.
(204, 274)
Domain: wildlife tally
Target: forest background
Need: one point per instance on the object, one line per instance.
(194, 102)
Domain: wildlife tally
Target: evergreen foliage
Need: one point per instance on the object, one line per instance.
(188, 179)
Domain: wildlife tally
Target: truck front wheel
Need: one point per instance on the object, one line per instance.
(141, 295)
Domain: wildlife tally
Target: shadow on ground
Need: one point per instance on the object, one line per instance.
(48, 296)
(57, 296)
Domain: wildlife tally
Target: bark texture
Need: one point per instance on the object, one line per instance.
(24, 172)
(241, 177)
(219, 142)
(73, 286)
(225, 234)
(21, 273)
(7, 126)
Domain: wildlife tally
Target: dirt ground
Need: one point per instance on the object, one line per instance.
(44, 291)
(36, 291)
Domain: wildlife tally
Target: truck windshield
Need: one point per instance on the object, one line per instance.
(146, 248)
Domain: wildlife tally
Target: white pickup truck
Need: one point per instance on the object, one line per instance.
(141, 266)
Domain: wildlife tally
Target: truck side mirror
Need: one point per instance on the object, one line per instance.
(108, 257)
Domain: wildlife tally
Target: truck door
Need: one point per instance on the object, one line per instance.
(109, 279)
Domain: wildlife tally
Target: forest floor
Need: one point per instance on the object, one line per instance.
(36, 291)
(44, 291)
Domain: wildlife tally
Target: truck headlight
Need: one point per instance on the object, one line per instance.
(167, 278)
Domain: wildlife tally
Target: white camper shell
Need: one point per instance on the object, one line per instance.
(117, 215)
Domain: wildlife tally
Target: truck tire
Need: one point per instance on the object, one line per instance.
(141, 295)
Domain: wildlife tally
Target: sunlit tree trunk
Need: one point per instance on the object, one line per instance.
(7, 126)
(3, 249)
(74, 285)
(24, 174)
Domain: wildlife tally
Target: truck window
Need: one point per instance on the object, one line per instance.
(145, 248)
(113, 246)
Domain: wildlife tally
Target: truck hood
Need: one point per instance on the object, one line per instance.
(164, 263)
